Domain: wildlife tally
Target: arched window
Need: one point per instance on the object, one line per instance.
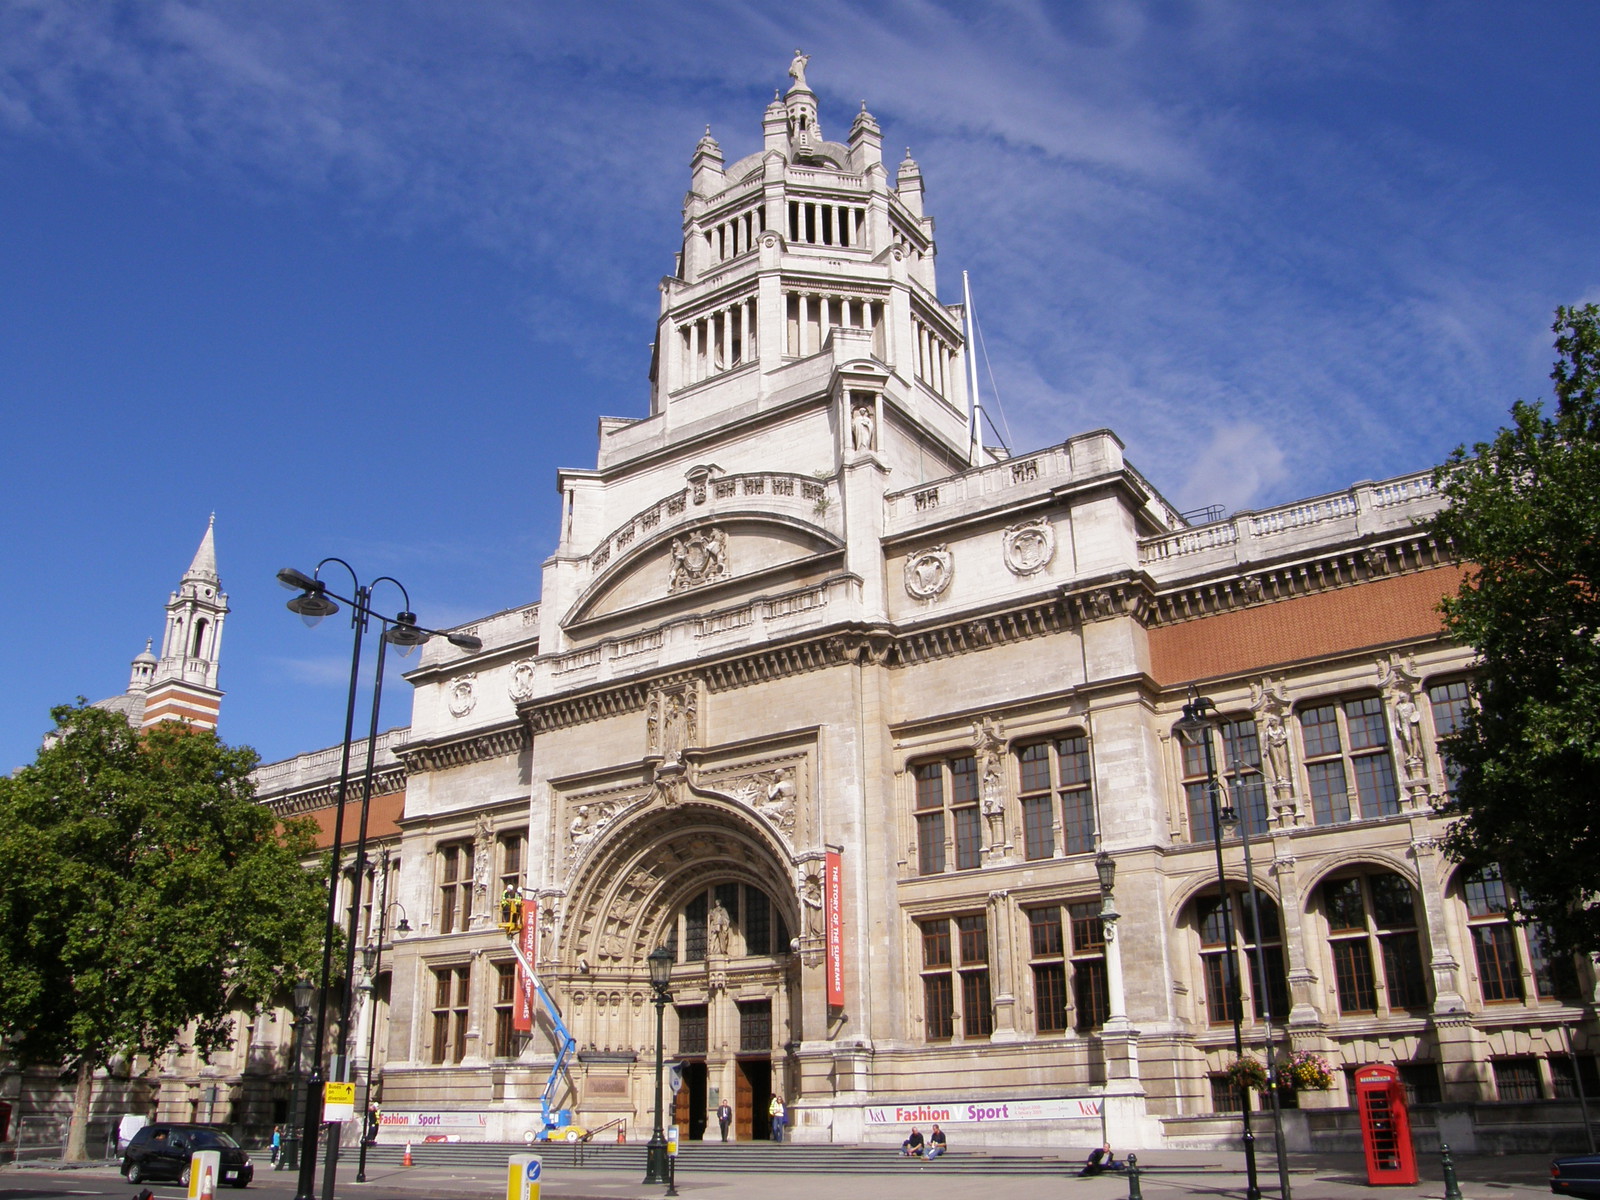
(199, 639)
(1372, 925)
(755, 925)
(1211, 916)
(1500, 948)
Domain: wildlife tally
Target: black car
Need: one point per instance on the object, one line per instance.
(1576, 1176)
(163, 1150)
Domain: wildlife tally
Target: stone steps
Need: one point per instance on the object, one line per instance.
(756, 1158)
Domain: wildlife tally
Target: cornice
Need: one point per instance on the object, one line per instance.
(433, 754)
(1251, 586)
(385, 781)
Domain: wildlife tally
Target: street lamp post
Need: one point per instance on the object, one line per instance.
(1243, 828)
(289, 1152)
(313, 603)
(372, 956)
(1199, 717)
(655, 1162)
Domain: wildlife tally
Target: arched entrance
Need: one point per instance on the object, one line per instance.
(709, 882)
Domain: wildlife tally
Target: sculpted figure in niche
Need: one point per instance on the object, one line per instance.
(581, 830)
(811, 903)
(862, 431)
(1407, 726)
(989, 744)
(1276, 738)
(718, 928)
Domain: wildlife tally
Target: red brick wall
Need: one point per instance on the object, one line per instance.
(381, 817)
(1375, 613)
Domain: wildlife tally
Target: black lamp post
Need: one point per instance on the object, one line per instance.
(655, 1162)
(315, 602)
(371, 959)
(289, 1152)
(1198, 720)
(1231, 818)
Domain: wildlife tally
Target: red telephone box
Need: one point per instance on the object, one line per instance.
(1385, 1125)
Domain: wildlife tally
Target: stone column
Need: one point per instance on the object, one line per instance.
(1002, 970)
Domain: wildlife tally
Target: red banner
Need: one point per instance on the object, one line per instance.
(528, 943)
(833, 913)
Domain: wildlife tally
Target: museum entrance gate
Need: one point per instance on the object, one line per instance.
(689, 1109)
(752, 1097)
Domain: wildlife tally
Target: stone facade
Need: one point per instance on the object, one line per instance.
(798, 611)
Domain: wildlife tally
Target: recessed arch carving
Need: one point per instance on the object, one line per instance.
(631, 881)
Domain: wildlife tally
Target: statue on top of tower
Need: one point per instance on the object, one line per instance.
(797, 71)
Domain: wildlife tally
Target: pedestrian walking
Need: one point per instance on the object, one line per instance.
(277, 1143)
(775, 1111)
(724, 1118)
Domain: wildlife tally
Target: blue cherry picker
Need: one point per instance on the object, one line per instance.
(511, 917)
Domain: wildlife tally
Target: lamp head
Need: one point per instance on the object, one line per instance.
(1198, 717)
(465, 641)
(304, 992)
(404, 633)
(660, 960)
(313, 604)
(1229, 816)
(402, 925)
(298, 581)
(1106, 868)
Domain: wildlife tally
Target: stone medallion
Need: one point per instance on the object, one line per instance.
(1029, 546)
(928, 572)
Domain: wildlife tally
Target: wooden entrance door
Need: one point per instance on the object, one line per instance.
(741, 1104)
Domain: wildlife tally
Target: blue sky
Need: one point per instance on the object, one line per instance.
(359, 277)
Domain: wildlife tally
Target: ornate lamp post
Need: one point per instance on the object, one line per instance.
(371, 959)
(1231, 819)
(1198, 720)
(655, 1162)
(304, 993)
(313, 603)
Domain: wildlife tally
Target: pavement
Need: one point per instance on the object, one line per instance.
(1166, 1175)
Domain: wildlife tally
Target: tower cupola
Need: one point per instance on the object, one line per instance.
(705, 168)
(800, 105)
(866, 141)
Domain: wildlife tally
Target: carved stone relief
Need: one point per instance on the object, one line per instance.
(461, 700)
(863, 428)
(989, 747)
(521, 686)
(672, 720)
(1401, 684)
(1029, 546)
(928, 572)
(482, 862)
(698, 558)
(1269, 701)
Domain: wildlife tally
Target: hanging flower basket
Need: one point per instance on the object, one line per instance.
(1247, 1073)
(1303, 1071)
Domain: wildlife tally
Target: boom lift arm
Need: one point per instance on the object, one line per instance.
(511, 916)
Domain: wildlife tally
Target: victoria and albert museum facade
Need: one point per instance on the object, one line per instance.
(872, 727)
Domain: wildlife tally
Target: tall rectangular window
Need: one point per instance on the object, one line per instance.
(1091, 999)
(947, 789)
(755, 1025)
(1045, 946)
(505, 999)
(1056, 777)
(1449, 702)
(1348, 762)
(694, 929)
(513, 856)
(956, 960)
(692, 1028)
(451, 992)
(1236, 760)
(455, 886)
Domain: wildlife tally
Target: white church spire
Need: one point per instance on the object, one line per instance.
(183, 685)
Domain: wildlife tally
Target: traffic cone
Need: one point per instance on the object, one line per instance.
(208, 1186)
(405, 1159)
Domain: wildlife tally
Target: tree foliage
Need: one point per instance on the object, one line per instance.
(1524, 514)
(144, 894)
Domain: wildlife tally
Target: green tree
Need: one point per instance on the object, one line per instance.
(1524, 515)
(144, 896)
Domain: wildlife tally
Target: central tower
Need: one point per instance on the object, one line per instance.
(803, 246)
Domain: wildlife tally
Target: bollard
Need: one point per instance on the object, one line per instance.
(1452, 1189)
(1133, 1178)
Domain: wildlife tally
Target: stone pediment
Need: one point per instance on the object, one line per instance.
(711, 562)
